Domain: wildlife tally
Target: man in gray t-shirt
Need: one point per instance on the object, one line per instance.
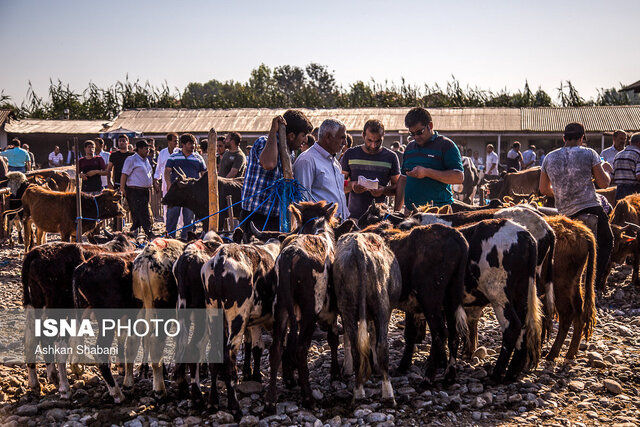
(566, 175)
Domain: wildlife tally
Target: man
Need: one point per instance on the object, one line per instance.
(514, 157)
(318, 168)
(4, 168)
(566, 175)
(105, 156)
(541, 156)
(529, 157)
(264, 168)
(626, 169)
(397, 149)
(204, 145)
(221, 147)
(372, 161)
(71, 155)
(18, 159)
(91, 168)
(135, 182)
(609, 154)
(432, 163)
(116, 161)
(491, 162)
(163, 156)
(233, 162)
(25, 147)
(55, 157)
(477, 160)
(192, 164)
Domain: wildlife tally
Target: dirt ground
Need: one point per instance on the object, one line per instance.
(602, 386)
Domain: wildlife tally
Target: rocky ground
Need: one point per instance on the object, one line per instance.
(602, 386)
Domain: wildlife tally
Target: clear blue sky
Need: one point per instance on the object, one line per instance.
(490, 44)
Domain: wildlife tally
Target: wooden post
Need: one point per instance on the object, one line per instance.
(78, 194)
(212, 172)
(232, 222)
(285, 157)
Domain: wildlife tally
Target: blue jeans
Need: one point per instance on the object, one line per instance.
(173, 213)
(22, 169)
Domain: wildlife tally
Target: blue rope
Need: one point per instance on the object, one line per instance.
(97, 212)
(273, 195)
(308, 221)
(253, 211)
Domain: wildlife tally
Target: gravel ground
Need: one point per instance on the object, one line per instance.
(602, 386)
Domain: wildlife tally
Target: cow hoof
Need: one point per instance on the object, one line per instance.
(270, 409)
(308, 403)
(196, 394)
(290, 383)
(65, 394)
(389, 403)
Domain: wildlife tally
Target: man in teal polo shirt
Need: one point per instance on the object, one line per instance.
(19, 159)
(431, 164)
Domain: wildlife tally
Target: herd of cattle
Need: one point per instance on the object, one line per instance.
(440, 266)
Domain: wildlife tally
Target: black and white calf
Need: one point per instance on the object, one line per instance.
(367, 284)
(240, 280)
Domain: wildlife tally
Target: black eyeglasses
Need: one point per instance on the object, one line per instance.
(418, 132)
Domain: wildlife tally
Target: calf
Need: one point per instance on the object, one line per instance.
(102, 282)
(368, 284)
(304, 296)
(55, 212)
(575, 301)
(471, 180)
(57, 180)
(522, 182)
(186, 271)
(432, 262)
(47, 273)
(626, 212)
(240, 280)
(17, 183)
(155, 285)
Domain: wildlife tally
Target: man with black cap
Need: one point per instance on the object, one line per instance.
(136, 181)
(566, 175)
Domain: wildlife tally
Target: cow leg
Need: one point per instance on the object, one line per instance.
(437, 355)
(63, 385)
(132, 344)
(350, 336)
(473, 316)
(155, 351)
(382, 355)
(575, 338)
(105, 368)
(214, 400)
(519, 358)
(30, 344)
(179, 375)
(289, 363)
(41, 237)
(347, 364)
(307, 326)
(230, 380)
(246, 362)
(197, 345)
(634, 274)
(410, 334)
(452, 341)
(257, 347)
(275, 356)
(564, 323)
(333, 340)
(511, 328)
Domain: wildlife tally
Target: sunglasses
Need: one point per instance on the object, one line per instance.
(418, 132)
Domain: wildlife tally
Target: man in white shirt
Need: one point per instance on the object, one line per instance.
(55, 157)
(319, 170)
(529, 157)
(105, 156)
(491, 162)
(135, 184)
(609, 154)
(163, 156)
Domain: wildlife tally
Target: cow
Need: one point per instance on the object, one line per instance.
(522, 182)
(239, 280)
(191, 295)
(575, 304)
(304, 296)
(55, 212)
(626, 211)
(155, 285)
(432, 262)
(458, 206)
(523, 215)
(193, 194)
(17, 183)
(58, 180)
(105, 282)
(368, 286)
(47, 273)
(470, 182)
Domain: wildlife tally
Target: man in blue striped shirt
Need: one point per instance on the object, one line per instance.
(264, 169)
(193, 166)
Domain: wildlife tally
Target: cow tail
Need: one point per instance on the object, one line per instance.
(363, 343)
(589, 305)
(457, 295)
(549, 293)
(285, 282)
(533, 321)
(26, 294)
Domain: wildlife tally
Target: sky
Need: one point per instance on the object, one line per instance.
(488, 44)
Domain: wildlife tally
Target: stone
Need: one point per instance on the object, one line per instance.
(576, 386)
(317, 394)
(223, 417)
(613, 386)
(249, 387)
(476, 388)
(56, 414)
(481, 353)
(479, 402)
(547, 413)
(515, 398)
(624, 331)
(376, 417)
(249, 420)
(476, 415)
(361, 413)
(594, 355)
(27, 410)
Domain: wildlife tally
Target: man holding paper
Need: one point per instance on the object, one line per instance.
(371, 170)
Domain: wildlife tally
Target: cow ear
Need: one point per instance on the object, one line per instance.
(238, 234)
(331, 210)
(295, 211)
(444, 210)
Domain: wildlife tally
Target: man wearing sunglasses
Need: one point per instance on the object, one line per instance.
(431, 164)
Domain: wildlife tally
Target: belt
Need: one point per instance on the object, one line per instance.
(137, 188)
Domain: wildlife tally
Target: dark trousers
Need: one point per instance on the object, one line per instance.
(604, 242)
(138, 201)
(273, 222)
(624, 190)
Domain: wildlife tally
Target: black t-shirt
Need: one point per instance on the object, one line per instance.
(93, 183)
(117, 158)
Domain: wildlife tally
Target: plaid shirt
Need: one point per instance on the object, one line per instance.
(257, 178)
(626, 166)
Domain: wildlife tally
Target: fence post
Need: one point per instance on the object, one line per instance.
(212, 172)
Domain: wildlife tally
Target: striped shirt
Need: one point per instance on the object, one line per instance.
(626, 166)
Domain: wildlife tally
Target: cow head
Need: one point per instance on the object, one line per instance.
(254, 234)
(109, 204)
(314, 218)
(120, 242)
(377, 212)
(181, 192)
(625, 241)
(16, 181)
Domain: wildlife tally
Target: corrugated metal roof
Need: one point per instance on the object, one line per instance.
(55, 126)
(633, 86)
(4, 114)
(594, 119)
(253, 120)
